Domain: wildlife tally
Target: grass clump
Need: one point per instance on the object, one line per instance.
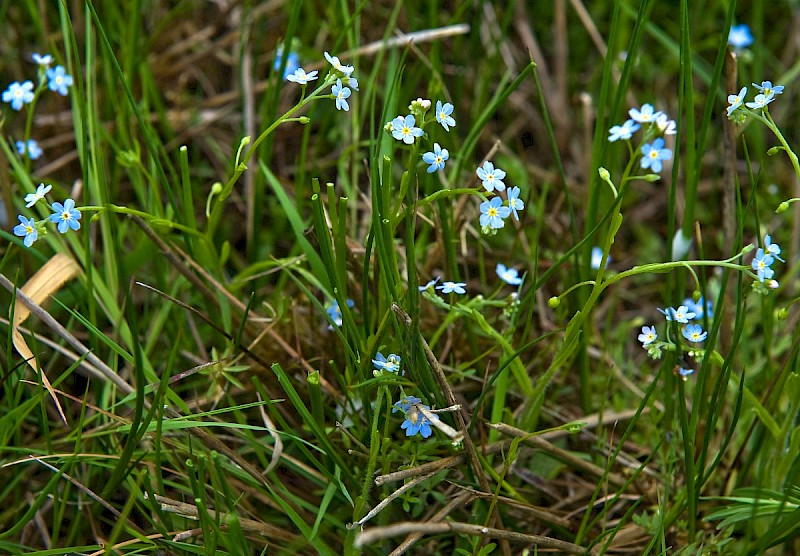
(369, 279)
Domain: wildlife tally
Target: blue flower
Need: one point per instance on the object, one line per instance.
(739, 36)
(452, 287)
(341, 94)
(685, 372)
(33, 198)
(27, 228)
(653, 154)
(405, 130)
(338, 66)
(18, 94)
(493, 213)
(351, 82)
(700, 308)
(429, 284)
(59, 80)
(648, 335)
(762, 263)
(768, 90)
(735, 101)
(514, 202)
(66, 216)
(682, 314)
(436, 159)
(760, 101)
(31, 148)
(597, 258)
(443, 116)
(391, 363)
(773, 248)
(624, 131)
(292, 63)
(694, 333)
(405, 404)
(300, 76)
(335, 312)
(416, 422)
(42, 59)
(508, 275)
(492, 177)
(646, 115)
(665, 125)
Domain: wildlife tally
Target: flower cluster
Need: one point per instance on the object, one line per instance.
(405, 129)
(766, 94)
(341, 88)
(685, 314)
(20, 94)
(495, 211)
(65, 216)
(653, 154)
(416, 422)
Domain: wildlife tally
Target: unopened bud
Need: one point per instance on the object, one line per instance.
(553, 302)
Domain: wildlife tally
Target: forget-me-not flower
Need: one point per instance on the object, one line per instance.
(452, 287)
(508, 275)
(739, 36)
(59, 80)
(292, 63)
(66, 216)
(760, 101)
(491, 177)
(416, 422)
(335, 312)
(665, 125)
(29, 147)
(701, 308)
(768, 90)
(694, 333)
(646, 115)
(338, 66)
(391, 363)
(685, 372)
(735, 101)
(33, 198)
(18, 94)
(42, 59)
(682, 314)
(762, 263)
(341, 94)
(653, 155)
(624, 131)
(405, 404)
(773, 248)
(404, 129)
(301, 77)
(597, 258)
(443, 114)
(436, 158)
(514, 202)
(430, 284)
(648, 335)
(493, 213)
(26, 228)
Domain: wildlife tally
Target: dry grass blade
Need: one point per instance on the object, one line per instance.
(45, 282)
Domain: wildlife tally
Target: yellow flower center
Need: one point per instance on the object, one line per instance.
(406, 130)
(492, 212)
(28, 229)
(65, 215)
